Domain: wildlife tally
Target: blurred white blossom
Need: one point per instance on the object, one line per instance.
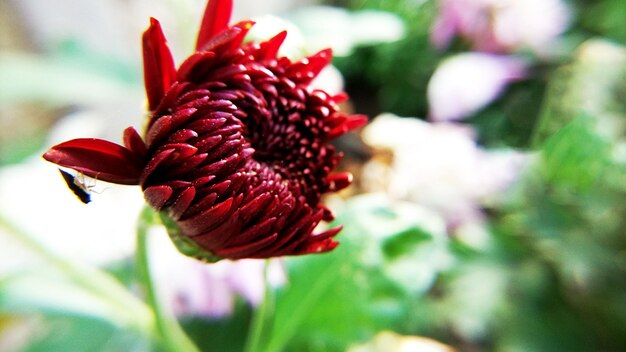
(387, 341)
(465, 83)
(36, 199)
(501, 25)
(440, 166)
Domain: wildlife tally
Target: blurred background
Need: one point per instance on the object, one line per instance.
(488, 211)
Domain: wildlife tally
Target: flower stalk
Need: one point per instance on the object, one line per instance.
(261, 315)
(169, 332)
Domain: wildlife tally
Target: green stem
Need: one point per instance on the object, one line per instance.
(129, 311)
(171, 334)
(260, 315)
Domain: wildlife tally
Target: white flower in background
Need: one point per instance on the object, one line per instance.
(388, 341)
(465, 83)
(501, 25)
(207, 290)
(441, 167)
(35, 198)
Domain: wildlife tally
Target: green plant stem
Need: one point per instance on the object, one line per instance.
(130, 312)
(170, 333)
(260, 315)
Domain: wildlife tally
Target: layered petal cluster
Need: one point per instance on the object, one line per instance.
(235, 154)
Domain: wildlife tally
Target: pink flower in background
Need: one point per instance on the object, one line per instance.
(501, 25)
(465, 83)
(208, 290)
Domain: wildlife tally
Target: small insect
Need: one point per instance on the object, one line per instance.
(77, 185)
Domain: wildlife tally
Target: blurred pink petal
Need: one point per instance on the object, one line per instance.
(501, 25)
(207, 290)
(465, 83)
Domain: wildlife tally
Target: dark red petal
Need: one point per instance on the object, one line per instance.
(293, 230)
(97, 158)
(182, 203)
(156, 160)
(269, 49)
(339, 181)
(228, 40)
(203, 59)
(351, 122)
(182, 136)
(325, 245)
(251, 234)
(215, 20)
(308, 68)
(158, 64)
(237, 41)
(161, 128)
(157, 196)
(330, 233)
(328, 214)
(134, 143)
(215, 238)
(254, 207)
(202, 202)
(208, 219)
(246, 250)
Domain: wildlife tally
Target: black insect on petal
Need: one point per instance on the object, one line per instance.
(78, 188)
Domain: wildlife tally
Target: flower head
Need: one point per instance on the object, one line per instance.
(235, 153)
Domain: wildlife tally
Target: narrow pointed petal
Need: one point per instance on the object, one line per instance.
(269, 49)
(322, 246)
(351, 122)
(308, 68)
(157, 196)
(182, 203)
(229, 39)
(134, 143)
(97, 158)
(215, 20)
(339, 181)
(247, 250)
(158, 65)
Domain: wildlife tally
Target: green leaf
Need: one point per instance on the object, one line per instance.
(218, 335)
(388, 252)
(78, 333)
(57, 82)
(45, 292)
(576, 156)
(593, 85)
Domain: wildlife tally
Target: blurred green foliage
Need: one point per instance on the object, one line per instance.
(394, 73)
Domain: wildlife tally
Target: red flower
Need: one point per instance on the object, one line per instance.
(235, 153)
